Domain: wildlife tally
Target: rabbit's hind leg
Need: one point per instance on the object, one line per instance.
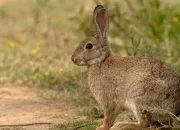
(150, 116)
(145, 116)
(158, 116)
(140, 125)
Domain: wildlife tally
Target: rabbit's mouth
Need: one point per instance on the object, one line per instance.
(84, 62)
(78, 61)
(81, 63)
(89, 60)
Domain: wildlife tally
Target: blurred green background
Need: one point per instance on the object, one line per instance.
(38, 37)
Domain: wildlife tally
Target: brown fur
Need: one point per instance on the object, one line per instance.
(144, 85)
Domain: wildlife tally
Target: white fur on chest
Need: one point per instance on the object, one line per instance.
(96, 87)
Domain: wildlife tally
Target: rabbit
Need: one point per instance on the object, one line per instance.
(147, 87)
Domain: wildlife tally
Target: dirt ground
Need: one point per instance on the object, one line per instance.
(21, 105)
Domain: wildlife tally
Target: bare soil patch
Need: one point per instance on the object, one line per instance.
(21, 105)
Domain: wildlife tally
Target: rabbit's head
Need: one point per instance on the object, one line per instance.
(96, 48)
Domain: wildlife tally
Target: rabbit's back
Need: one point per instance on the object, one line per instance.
(129, 78)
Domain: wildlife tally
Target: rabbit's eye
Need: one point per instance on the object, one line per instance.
(89, 46)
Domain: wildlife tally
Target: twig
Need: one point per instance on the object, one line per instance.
(172, 115)
(28, 124)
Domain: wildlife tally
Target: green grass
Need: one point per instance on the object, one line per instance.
(80, 125)
(91, 112)
(37, 39)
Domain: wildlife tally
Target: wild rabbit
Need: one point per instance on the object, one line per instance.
(141, 84)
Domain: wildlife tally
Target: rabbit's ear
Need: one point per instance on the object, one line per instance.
(101, 20)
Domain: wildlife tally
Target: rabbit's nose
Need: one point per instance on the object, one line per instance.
(73, 59)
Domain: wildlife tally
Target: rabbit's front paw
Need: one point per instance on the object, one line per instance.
(102, 127)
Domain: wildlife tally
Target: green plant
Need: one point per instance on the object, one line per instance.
(91, 112)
